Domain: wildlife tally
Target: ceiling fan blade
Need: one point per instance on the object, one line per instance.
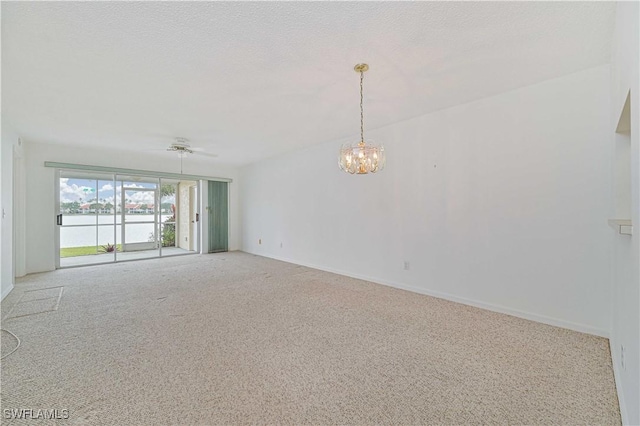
(156, 150)
(205, 154)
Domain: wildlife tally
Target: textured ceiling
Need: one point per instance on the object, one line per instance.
(251, 80)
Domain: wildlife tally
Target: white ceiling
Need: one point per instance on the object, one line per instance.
(251, 80)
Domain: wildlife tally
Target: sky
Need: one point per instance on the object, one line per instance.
(83, 190)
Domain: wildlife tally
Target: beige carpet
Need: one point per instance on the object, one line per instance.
(234, 338)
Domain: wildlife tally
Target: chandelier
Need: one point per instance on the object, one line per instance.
(361, 158)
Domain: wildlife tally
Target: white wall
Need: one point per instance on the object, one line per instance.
(501, 203)
(6, 210)
(625, 331)
(10, 148)
(2, 223)
(40, 204)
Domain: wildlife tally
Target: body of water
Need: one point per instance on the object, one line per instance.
(101, 229)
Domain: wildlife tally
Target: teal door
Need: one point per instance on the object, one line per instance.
(218, 216)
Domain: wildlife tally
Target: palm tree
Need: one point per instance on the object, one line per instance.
(167, 190)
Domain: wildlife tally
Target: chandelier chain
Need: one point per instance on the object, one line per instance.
(361, 109)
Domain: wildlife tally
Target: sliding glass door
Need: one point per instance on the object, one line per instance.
(104, 218)
(86, 218)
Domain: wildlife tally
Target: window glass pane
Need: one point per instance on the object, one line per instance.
(105, 201)
(138, 182)
(119, 235)
(77, 241)
(139, 205)
(106, 238)
(168, 213)
(168, 234)
(168, 200)
(77, 197)
(139, 233)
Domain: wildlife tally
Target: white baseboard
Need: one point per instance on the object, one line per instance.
(6, 292)
(615, 357)
(582, 328)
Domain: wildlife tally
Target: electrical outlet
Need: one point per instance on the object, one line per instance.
(260, 241)
(281, 245)
(407, 265)
(622, 353)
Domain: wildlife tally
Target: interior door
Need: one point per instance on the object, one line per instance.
(218, 216)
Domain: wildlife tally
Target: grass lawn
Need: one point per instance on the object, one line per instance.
(82, 251)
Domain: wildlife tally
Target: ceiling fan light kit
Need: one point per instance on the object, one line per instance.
(361, 158)
(181, 146)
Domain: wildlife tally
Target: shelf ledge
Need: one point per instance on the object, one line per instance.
(623, 226)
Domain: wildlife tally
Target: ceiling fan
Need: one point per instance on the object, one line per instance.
(182, 147)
